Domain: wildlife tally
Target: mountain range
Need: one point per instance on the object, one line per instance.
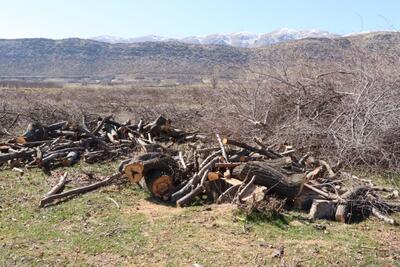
(238, 39)
(172, 62)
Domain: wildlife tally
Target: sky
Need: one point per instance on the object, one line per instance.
(180, 18)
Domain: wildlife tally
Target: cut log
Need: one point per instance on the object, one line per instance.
(341, 214)
(247, 190)
(157, 183)
(273, 176)
(256, 195)
(305, 199)
(322, 209)
(214, 176)
(23, 154)
(137, 170)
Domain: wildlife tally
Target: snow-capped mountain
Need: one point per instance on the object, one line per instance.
(114, 40)
(239, 39)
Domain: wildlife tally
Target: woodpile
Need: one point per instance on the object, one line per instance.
(189, 168)
(65, 143)
(260, 176)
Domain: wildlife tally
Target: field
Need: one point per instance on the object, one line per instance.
(121, 225)
(92, 230)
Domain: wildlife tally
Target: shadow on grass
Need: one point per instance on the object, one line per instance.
(160, 201)
(279, 220)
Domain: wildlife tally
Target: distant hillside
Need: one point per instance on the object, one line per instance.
(179, 62)
(75, 57)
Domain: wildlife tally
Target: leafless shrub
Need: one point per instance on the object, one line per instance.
(348, 113)
(352, 116)
(51, 105)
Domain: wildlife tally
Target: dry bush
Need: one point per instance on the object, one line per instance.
(348, 115)
(18, 107)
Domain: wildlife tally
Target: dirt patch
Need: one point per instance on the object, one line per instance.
(389, 243)
(153, 210)
(104, 259)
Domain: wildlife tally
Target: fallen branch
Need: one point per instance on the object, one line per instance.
(383, 217)
(58, 187)
(80, 190)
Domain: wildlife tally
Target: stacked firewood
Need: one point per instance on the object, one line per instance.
(186, 168)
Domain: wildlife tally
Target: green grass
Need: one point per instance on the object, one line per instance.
(90, 230)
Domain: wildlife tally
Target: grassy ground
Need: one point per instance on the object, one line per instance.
(92, 230)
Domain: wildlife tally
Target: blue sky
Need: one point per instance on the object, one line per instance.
(179, 18)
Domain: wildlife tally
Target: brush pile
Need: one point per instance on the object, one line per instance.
(191, 168)
(64, 143)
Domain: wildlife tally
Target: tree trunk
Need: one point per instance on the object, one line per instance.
(158, 183)
(272, 175)
(137, 170)
(17, 155)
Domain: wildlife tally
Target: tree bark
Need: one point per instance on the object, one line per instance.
(17, 155)
(137, 170)
(273, 176)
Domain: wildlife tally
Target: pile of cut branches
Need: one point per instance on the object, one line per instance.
(191, 168)
(65, 143)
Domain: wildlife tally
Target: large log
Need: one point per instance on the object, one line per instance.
(273, 175)
(23, 154)
(138, 169)
(158, 183)
(322, 209)
(305, 199)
